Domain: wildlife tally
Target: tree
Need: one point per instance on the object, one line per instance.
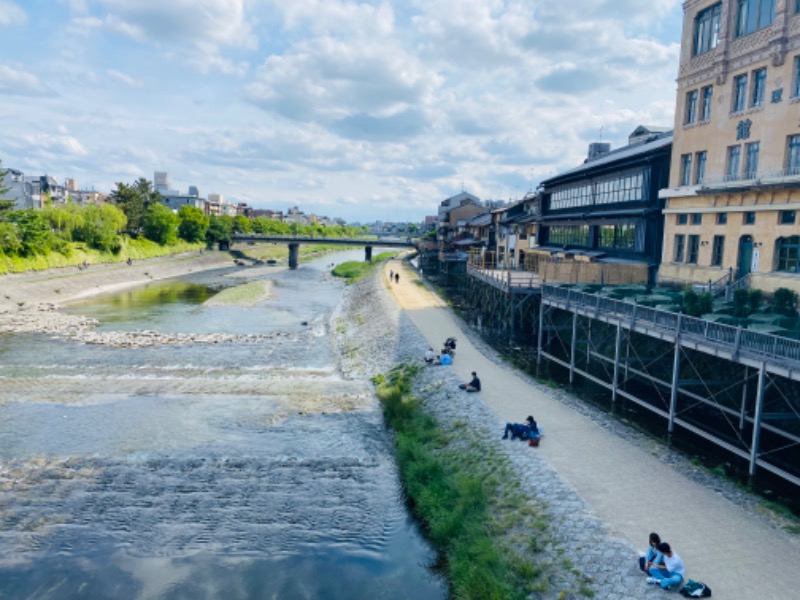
(10, 242)
(33, 231)
(220, 229)
(784, 302)
(134, 200)
(160, 225)
(193, 224)
(101, 226)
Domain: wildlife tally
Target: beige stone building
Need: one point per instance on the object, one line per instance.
(733, 202)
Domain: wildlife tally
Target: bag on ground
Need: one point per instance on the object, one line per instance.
(695, 589)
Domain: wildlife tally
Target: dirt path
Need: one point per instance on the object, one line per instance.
(630, 488)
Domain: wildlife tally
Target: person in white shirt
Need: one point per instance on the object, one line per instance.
(430, 356)
(671, 572)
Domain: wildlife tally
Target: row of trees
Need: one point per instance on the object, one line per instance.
(135, 210)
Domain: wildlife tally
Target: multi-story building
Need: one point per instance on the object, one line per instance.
(733, 202)
(607, 211)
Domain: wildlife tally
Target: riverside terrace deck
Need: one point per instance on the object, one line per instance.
(734, 387)
(294, 241)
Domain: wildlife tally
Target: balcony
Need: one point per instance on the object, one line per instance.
(749, 181)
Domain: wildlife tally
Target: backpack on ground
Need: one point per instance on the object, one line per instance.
(695, 589)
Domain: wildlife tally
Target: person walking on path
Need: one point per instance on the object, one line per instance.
(397, 277)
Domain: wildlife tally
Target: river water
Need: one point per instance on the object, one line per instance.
(231, 470)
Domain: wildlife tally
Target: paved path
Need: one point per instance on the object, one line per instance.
(631, 490)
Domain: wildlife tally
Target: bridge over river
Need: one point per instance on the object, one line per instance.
(294, 241)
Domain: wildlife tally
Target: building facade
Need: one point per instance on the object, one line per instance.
(608, 210)
(733, 202)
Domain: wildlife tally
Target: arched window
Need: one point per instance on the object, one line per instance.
(789, 254)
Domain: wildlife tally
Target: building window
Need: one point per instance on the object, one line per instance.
(686, 168)
(796, 83)
(569, 235)
(722, 218)
(618, 237)
(789, 254)
(718, 250)
(734, 154)
(706, 29)
(697, 218)
(759, 86)
(739, 93)
(793, 155)
(707, 95)
(700, 168)
(691, 108)
(694, 248)
(751, 161)
(749, 218)
(787, 217)
(754, 15)
(680, 241)
(683, 218)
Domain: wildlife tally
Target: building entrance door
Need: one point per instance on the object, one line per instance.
(745, 255)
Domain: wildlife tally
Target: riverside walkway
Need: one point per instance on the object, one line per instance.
(628, 487)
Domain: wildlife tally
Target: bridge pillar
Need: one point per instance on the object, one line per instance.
(294, 253)
(368, 254)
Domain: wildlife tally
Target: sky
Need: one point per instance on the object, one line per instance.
(361, 110)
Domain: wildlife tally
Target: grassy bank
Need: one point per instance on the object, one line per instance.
(135, 249)
(489, 535)
(356, 270)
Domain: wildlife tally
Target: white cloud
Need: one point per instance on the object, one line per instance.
(124, 78)
(53, 145)
(220, 21)
(21, 83)
(10, 13)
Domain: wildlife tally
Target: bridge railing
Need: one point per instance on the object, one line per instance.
(735, 339)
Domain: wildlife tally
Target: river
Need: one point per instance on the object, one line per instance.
(247, 469)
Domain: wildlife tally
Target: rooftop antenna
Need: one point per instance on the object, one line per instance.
(530, 188)
(601, 132)
(462, 185)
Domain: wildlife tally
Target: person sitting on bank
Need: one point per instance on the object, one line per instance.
(444, 359)
(474, 385)
(671, 572)
(523, 431)
(652, 557)
(430, 356)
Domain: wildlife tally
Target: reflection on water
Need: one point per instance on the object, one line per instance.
(249, 471)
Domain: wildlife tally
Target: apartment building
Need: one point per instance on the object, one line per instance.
(733, 201)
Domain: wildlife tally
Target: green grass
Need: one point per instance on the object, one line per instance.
(467, 497)
(135, 249)
(354, 271)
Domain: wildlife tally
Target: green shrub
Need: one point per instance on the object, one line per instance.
(784, 302)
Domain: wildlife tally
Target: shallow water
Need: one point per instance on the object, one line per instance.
(244, 470)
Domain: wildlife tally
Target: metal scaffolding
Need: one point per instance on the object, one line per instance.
(736, 389)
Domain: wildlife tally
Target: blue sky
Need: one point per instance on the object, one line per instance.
(371, 110)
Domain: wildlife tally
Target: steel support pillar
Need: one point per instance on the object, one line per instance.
(759, 410)
(676, 371)
(539, 336)
(616, 365)
(572, 348)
